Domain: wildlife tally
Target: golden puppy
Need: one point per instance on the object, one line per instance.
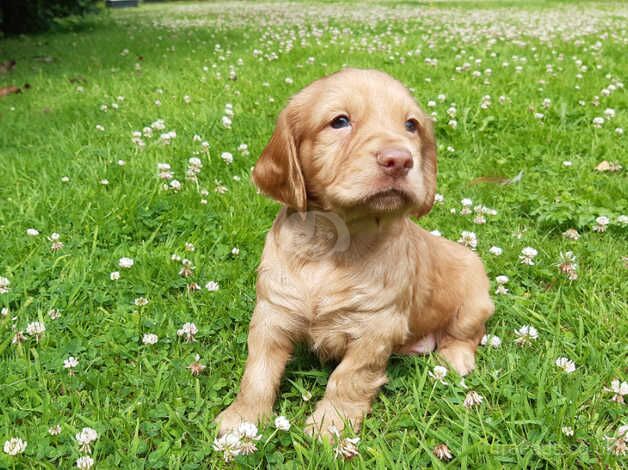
(344, 268)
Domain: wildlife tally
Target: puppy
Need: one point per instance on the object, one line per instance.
(344, 268)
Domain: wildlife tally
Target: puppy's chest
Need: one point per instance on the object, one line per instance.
(323, 289)
(334, 295)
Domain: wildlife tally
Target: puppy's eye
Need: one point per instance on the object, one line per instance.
(340, 121)
(412, 125)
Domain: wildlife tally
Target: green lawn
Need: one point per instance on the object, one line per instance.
(524, 84)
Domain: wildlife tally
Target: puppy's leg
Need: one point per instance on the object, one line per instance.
(457, 344)
(270, 346)
(351, 387)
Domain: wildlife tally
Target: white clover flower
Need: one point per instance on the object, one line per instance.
(620, 389)
(609, 113)
(248, 438)
(55, 430)
(567, 431)
(438, 374)
(619, 131)
(491, 340)
(527, 255)
(141, 301)
(472, 399)
(501, 285)
(212, 286)
(70, 363)
(32, 232)
(618, 444)
(175, 185)
(226, 122)
(56, 243)
(598, 122)
(235, 251)
(114, 276)
(243, 149)
(229, 444)
(347, 448)
(4, 285)
(150, 338)
(126, 263)
(568, 265)
(468, 239)
(15, 446)
(439, 198)
(85, 439)
(601, 224)
(54, 314)
(249, 431)
(195, 161)
(495, 251)
(571, 234)
(196, 368)
(526, 334)
(227, 157)
(282, 423)
(566, 364)
(188, 330)
(85, 462)
(18, 338)
(442, 452)
(36, 329)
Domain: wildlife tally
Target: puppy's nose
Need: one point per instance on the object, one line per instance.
(395, 162)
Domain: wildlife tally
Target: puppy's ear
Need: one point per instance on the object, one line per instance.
(428, 165)
(277, 172)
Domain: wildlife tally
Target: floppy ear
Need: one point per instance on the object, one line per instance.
(277, 172)
(428, 165)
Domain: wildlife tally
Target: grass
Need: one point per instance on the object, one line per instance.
(148, 409)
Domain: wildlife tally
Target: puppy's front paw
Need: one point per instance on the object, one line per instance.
(236, 414)
(460, 356)
(328, 420)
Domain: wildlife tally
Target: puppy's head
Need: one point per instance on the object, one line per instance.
(354, 142)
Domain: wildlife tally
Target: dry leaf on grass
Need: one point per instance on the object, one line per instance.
(608, 166)
(9, 90)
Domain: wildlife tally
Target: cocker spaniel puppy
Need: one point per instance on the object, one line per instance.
(344, 268)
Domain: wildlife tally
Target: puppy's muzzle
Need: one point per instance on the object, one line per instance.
(394, 162)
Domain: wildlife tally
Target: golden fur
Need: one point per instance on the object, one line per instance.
(344, 269)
